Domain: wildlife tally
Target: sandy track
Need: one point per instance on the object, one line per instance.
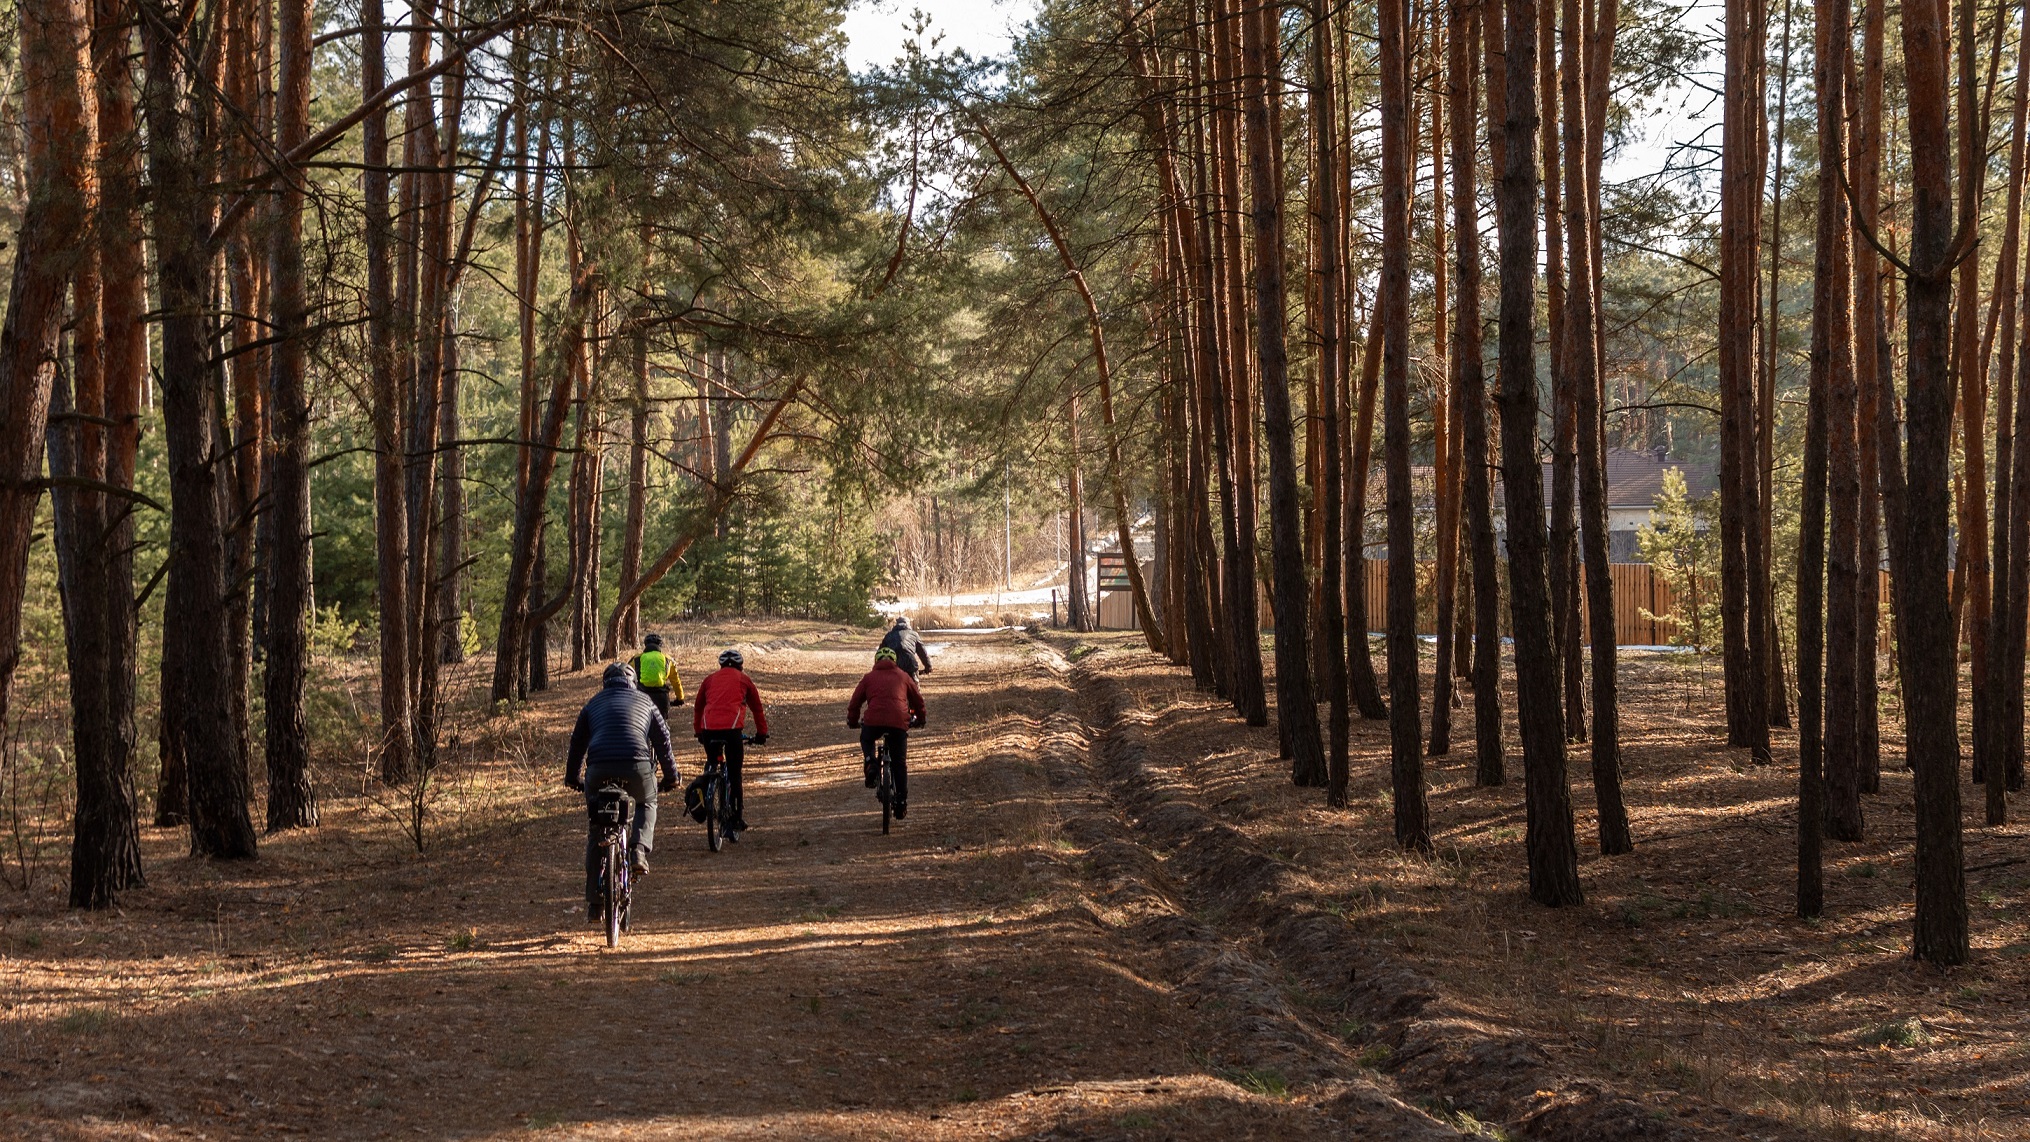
(815, 980)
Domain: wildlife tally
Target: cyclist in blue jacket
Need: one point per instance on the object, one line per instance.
(620, 738)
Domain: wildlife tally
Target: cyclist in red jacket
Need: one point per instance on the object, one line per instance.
(887, 704)
(718, 717)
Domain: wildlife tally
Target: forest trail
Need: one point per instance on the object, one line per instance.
(815, 980)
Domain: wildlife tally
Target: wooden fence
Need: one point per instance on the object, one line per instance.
(1646, 610)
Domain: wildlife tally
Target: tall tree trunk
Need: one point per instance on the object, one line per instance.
(1743, 609)
(1831, 474)
(1553, 851)
(92, 574)
(1833, 369)
(1971, 366)
(2013, 547)
(1406, 764)
(1296, 702)
(57, 140)
(202, 733)
(1445, 468)
(1326, 241)
(1873, 361)
(1994, 737)
(1564, 566)
(1242, 583)
(291, 800)
(391, 524)
(532, 500)
(637, 475)
(1470, 394)
(1584, 381)
(1926, 650)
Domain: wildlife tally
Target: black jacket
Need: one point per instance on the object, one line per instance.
(620, 726)
(909, 651)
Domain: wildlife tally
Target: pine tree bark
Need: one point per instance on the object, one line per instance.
(1564, 567)
(1926, 650)
(1470, 392)
(58, 131)
(1583, 380)
(391, 524)
(1243, 585)
(292, 802)
(1326, 242)
(1406, 765)
(1553, 852)
(1873, 360)
(1445, 466)
(1743, 610)
(202, 733)
(1833, 368)
(93, 576)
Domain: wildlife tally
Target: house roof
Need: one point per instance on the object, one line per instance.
(1635, 478)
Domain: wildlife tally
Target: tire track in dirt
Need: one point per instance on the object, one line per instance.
(1458, 1062)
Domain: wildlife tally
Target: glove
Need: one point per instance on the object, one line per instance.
(574, 785)
(926, 668)
(852, 723)
(760, 739)
(668, 782)
(916, 723)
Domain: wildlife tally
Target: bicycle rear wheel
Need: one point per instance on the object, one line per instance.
(715, 800)
(616, 889)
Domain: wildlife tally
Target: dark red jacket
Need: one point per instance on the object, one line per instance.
(889, 697)
(722, 702)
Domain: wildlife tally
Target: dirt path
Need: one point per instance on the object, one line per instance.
(998, 968)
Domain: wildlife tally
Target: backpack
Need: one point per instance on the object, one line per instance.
(652, 668)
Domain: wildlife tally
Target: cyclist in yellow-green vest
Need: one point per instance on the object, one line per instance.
(656, 677)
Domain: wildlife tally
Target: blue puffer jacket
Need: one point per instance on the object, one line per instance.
(619, 727)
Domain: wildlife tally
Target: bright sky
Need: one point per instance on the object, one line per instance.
(877, 28)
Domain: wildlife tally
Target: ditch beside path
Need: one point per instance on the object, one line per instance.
(1005, 965)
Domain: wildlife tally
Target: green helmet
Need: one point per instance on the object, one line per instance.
(885, 654)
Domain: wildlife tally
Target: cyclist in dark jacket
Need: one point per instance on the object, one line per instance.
(909, 651)
(621, 738)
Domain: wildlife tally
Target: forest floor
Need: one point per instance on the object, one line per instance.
(1109, 915)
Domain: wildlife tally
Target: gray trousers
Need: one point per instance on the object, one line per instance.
(638, 778)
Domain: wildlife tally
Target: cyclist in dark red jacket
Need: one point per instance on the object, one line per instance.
(718, 717)
(887, 704)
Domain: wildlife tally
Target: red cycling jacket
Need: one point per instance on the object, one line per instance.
(889, 696)
(723, 700)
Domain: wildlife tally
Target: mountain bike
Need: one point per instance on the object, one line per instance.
(884, 784)
(715, 803)
(612, 813)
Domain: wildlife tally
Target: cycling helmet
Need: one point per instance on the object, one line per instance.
(902, 620)
(885, 654)
(621, 671)
(732, 658)
(652, 642)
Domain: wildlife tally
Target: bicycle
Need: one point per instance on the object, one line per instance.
(612, 813)
(884, 785)
(715, 797)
